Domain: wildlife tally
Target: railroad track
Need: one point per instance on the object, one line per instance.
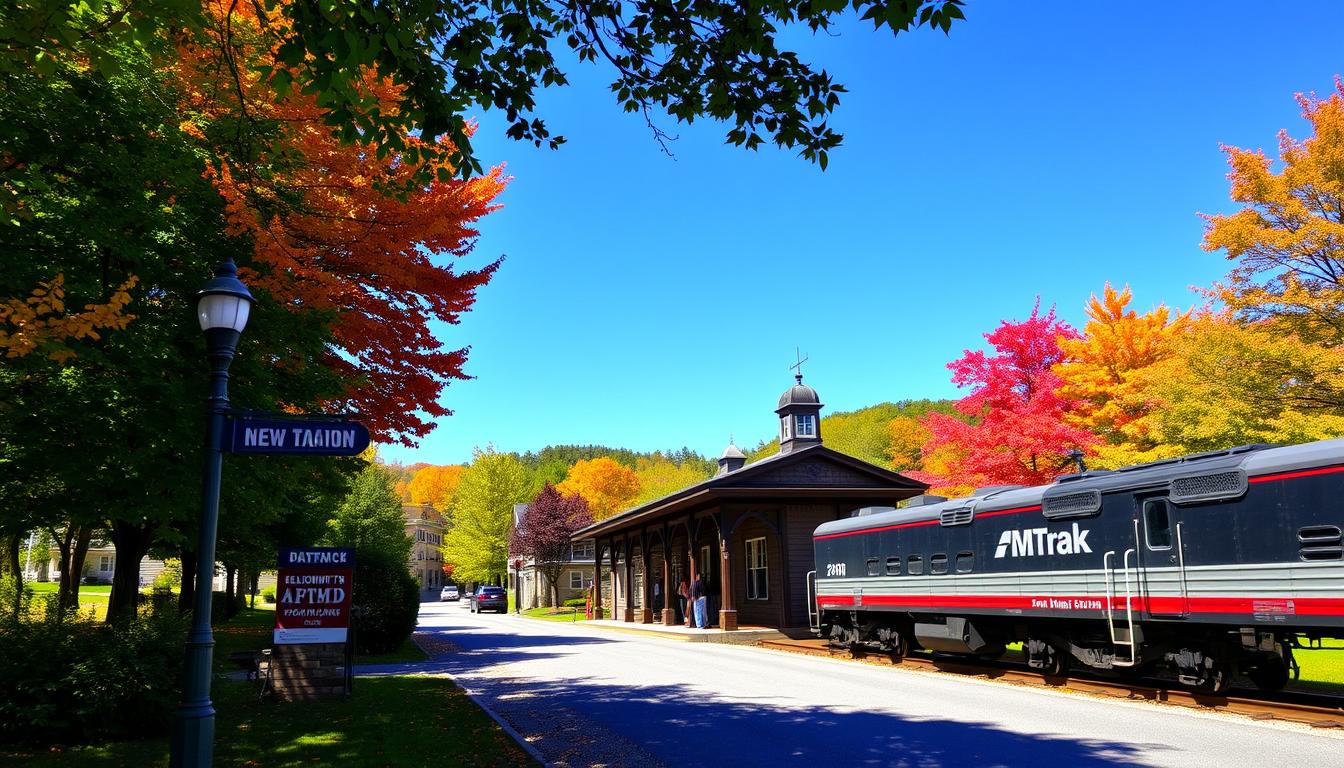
(1313, 709)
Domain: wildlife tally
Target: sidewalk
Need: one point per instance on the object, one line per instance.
(740, 636)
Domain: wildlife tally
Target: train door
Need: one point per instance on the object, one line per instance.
(1161, 548)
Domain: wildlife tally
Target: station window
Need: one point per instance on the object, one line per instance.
(938, 565)
(872, 566)
(1157, 523)
(965, 562)
(806, 425)
(758, 571)
(893, 566)
(914, 565)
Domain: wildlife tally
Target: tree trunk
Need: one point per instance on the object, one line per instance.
(229, 573)
(12, 551)
(73, 569)
(187, 591)
(63, 542)
(132, 542)
(240, 589)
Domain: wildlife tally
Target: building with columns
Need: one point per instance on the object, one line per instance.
(747, 530)
(424, 526)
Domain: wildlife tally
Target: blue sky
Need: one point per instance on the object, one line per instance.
(651, 302)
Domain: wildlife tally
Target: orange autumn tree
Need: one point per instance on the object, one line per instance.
(337, 228)
(1103, 375)
(607, 486)
(435, 485)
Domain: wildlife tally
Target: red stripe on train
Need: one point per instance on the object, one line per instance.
(1305, 606)
(1291, 475)
(923, 522)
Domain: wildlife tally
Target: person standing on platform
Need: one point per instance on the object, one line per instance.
(683, 600)
(698, 600)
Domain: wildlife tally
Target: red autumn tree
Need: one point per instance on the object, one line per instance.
(544, 530)
(1018, 433)
(338, 228)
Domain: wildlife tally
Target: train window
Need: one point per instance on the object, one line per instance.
(893, 566)
(938, 564)
(965, 562)
(872, 566)
(914, 565)
(1157, 523)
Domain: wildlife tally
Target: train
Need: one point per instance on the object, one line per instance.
(1211, 566)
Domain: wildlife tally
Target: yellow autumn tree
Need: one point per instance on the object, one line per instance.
(659, 476)
(1102, 373)
(41, 323)
(906, 438)
(607, 486)
(1287, 240)
(435, 485)
(1229, 383)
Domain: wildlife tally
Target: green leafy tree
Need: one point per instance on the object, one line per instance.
(370, 518)
(477, 546)
(715, 60)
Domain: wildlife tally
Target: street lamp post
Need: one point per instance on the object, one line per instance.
(222, 307)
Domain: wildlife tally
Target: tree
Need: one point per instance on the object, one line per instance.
(370, 518)
(1287, 241)
(435, 485)
(607, 486)
(477, 546)
(328, 234)
(544, 530)
(716, 60)
(1103, 374)
(1228, 383)
(659, 476)
(1018, 431)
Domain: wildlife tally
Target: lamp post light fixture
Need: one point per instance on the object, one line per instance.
(222, 307)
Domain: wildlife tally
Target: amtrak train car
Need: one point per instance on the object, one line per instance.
(1211, 565)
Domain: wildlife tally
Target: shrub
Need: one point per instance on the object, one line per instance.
(268, 595)
(223, 607)
(386, 602)
(70, 681)
(576, 602)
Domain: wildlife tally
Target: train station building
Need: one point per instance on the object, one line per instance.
(747, 530)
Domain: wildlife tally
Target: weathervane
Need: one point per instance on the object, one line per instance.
(798, 365)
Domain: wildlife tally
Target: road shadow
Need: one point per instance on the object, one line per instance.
(682, 726)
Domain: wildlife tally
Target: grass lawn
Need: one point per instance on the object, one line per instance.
(555, 614)
(389, 721)
(1321, 668)
(92, 597)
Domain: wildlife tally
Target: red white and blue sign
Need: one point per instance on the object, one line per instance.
(312, 595)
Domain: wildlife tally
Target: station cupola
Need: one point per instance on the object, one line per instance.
(799, 417)
(732, 459)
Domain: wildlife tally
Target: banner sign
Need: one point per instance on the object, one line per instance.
(309, 436)
(312, 595)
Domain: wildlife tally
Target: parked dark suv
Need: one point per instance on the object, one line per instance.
(489, 599)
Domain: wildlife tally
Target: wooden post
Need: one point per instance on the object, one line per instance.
(690, 577)
(727, 606)
(627, 604)
(669, 615)
(597, 579)
(646, 598)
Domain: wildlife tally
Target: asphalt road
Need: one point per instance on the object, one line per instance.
(584, 696)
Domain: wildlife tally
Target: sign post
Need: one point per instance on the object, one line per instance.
(311, 658)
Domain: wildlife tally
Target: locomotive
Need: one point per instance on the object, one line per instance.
(1210, 565)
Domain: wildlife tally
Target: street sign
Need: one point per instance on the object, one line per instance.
(310, 436)
(312, 595)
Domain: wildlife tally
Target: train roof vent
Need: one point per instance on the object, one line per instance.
(1211, 487)
(1081, 504)
(958, 516)
(925, 500)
